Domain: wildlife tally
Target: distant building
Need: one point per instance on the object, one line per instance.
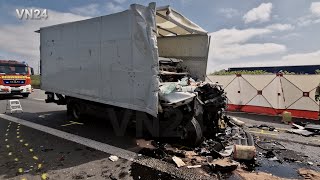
(306, 69)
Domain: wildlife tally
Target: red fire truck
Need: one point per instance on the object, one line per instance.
(15, 78)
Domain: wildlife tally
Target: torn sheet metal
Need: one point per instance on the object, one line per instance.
(165, 60)
(173, 73)
(170, 22)
(302, 132)
(312, 127)
(177, 98)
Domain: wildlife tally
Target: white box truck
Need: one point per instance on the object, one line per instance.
(144, 59)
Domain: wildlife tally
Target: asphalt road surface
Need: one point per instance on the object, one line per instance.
(43, 143)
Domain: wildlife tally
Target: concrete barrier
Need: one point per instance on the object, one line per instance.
(271, 94)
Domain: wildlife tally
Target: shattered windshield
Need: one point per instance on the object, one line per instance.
(13, 69)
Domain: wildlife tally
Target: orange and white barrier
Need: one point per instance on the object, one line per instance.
(271, 94)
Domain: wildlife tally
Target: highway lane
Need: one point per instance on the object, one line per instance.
(80, 160)
(93, 164)
(55, 116)
(31, 154)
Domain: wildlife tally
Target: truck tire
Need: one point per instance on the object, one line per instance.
(25, 95)
(193, 133)
(74, 109)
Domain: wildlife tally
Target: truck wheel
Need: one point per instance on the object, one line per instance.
(25, 95)
(193, 133)
(74, 110)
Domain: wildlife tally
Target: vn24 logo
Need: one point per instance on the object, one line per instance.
(33, 14)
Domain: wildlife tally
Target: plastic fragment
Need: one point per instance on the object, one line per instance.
(178, 161)
(114, 158)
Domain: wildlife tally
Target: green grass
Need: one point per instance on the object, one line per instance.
(35, 81)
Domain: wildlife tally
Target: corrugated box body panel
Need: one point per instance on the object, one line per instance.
(110, 59)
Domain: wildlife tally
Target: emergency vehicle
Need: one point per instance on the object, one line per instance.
(15, 78)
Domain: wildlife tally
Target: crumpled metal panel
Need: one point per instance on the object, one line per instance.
(177, 97)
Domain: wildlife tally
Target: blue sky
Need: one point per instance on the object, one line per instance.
(244, 33)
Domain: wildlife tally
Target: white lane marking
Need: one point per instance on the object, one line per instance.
(122, 153)
(38, 99)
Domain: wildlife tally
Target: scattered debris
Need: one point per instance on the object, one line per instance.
(263, 127)
(270, 145)
(266, 127)
(305, 129)
(313, 127)
(310, 163)
(238, 135)
(195, 166)
(189, 153)
(302, 132)
(237, 121)
(286, 117)
(227, 151)
(309, 174)
(244, 152)
(209, 159)
(224, 165)
(178, 161)
(297, 126)
(269, 154)
(257, 175)
(114, 158)
(274, 159)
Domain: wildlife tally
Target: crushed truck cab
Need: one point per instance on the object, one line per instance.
(145, 59)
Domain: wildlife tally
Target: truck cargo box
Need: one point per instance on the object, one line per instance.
(113, 59)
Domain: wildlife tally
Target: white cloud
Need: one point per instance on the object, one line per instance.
(88, 10)
(120, 1)
(261, 13)
(19, 41)
(289, 36)
(308, 20)
(236, 51)
(113, 8)
(229, 36)
(98, 9)
(229, 44)
(315, 8)
(229, 12)
(302, 58)
(280, 27)
(311, 58)
(312, 18)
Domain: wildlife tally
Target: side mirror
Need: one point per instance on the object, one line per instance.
(32, 71)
